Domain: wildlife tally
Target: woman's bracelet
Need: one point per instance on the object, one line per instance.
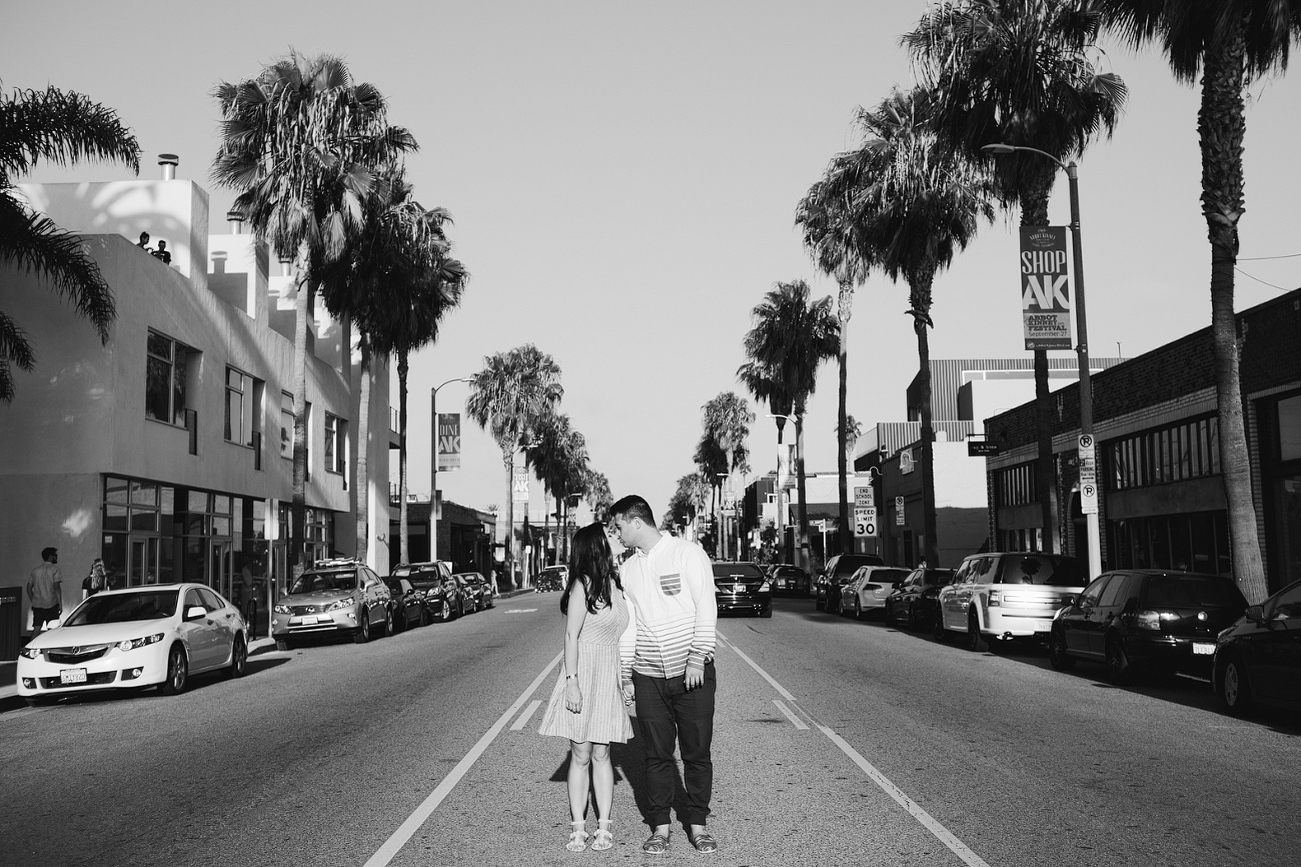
(567, 676)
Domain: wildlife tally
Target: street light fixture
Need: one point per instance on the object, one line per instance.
(433, 465)
(1082, 347)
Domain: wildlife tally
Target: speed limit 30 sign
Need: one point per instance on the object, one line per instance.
(865, 522)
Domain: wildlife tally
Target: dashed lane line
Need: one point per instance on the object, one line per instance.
(407, 829)
(799, 723)
(943, 834)
(524, 717)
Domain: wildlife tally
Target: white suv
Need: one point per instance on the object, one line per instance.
(998, 597)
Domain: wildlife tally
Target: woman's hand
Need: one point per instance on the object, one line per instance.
(573, 697)
(628, 693)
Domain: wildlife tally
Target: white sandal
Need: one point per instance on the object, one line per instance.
(604, 837)
(577, 837)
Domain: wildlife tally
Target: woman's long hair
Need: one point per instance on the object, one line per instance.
(591, 563)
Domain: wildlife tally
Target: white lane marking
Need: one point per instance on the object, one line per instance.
(524, 717)
(799, 723)
(399, 838)
(882, 781)
(518, 610)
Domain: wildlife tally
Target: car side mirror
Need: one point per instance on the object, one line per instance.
(195, 612)
(52, 624)
(1255, 613)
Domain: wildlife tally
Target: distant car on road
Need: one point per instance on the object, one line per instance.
(1258, 658)
(788, 580)
(840, 569)
(407, 602)
(157, 635)
(998, 597)
(867, 590)
(482, 589)
(742, 587)
(441, 593)
(551, 578)
(333, 597)
(1134, 619)
(913, 602)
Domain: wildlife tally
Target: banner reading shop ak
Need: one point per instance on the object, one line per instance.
(449, 441)
(1045, 288)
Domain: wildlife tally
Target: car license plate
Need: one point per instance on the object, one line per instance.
(1203, 648)
(72, 675)
(307, 619)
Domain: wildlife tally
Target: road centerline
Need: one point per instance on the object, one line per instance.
(407, 829)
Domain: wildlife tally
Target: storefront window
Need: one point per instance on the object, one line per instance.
(1289, 428)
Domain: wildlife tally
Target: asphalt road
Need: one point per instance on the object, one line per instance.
(836, 742)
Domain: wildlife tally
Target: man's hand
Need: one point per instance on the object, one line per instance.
(629, 694)
(695, 675)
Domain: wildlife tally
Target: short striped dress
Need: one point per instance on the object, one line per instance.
(603, 719)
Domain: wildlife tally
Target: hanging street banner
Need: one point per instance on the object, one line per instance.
(520, 487)
(1045, 288)
(449, 441)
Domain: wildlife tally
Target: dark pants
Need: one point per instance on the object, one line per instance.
(42, 616)
(667, 712)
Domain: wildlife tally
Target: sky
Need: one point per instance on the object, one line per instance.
(623, 179)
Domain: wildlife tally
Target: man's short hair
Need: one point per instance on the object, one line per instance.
(633, 506)
(47, 553)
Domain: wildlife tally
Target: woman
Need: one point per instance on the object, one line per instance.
(96, 581)
(587, 703)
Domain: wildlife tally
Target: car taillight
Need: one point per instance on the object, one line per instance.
(995, 598)
(1148, 620)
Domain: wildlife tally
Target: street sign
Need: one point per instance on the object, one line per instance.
(981, 448)
(865, 522)
(1088, 476)
(864, 496)
(899, 517)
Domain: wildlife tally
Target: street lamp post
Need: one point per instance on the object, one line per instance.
(1081, 349)
(433, 465)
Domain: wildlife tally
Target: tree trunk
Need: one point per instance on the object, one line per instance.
(930, 550)
(508, 550)
(404, 549)
(843, 310)
(799, 481)
(1221, 124)
(361, 488)
(781, 492)
(298, 511)
(1034, 212)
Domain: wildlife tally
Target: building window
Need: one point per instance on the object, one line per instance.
(243, 401)
(286, 425)
(1015, 486)
(336, 443)
(1188, 450)
(165, 373)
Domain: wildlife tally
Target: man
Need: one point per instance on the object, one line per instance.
(45, 590)
(667, 655)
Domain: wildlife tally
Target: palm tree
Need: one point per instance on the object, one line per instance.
(916, 205)
(596, 491)
(766, 384)
(831, 238)
(60, 128)
(975, 54)
(1231, 42)
(727, 419)
(301, 142)
(558, 455)
(509, 398)
(790, 339)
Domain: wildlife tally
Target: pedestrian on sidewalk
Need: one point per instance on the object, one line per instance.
(587, 704)
(670, 642)
(96, 581)
(45, 590)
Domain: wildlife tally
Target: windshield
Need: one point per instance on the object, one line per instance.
(316, 582)
(124, 608)
(1187, 591)
(1041, 570)
(885, 576)
(937, 577)
(848, 564)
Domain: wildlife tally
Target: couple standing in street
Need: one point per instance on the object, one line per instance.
(639, 636)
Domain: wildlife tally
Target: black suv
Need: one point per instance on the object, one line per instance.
(840, 569)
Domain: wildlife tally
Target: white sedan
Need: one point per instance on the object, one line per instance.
(868, 588)
(157, 635)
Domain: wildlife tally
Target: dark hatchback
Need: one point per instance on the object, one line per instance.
(441, 592)
(913, 602)
(788, 580)
(742, 587)
(840, 569)
(407, 604)
(1146, 619)
(1258, 659)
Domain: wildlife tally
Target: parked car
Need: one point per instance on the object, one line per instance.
(742, 587)
(998, 597)
(1135, 619)
(441, 593)
(839, 570)
(407, 603)
(483, 589)
(1258, 658)
(333, 597)
(471, 584)
(913, 601)
(551, 578)
(788, 580)
(867, 590)
(158, 635)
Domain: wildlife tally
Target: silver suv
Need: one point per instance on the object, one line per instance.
(998, 597)
(334, 596)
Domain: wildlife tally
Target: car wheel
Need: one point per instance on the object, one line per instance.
(858, 608)
(398, 623)
(914, 622)
(389, 626)
(973, 632)
(767, 611)
(446, 613)
(1116, 661)
(178, 671)
(362, 635)
(424, 616)
(1058, 658)
(1234, 690)
(238, 658)
(937, 628)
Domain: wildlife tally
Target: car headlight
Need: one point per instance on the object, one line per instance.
(282, 609)
(342, 603)
(29, 652)
(133, 643)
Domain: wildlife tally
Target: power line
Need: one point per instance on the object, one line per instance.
(1258, 280)
(1263, 258)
